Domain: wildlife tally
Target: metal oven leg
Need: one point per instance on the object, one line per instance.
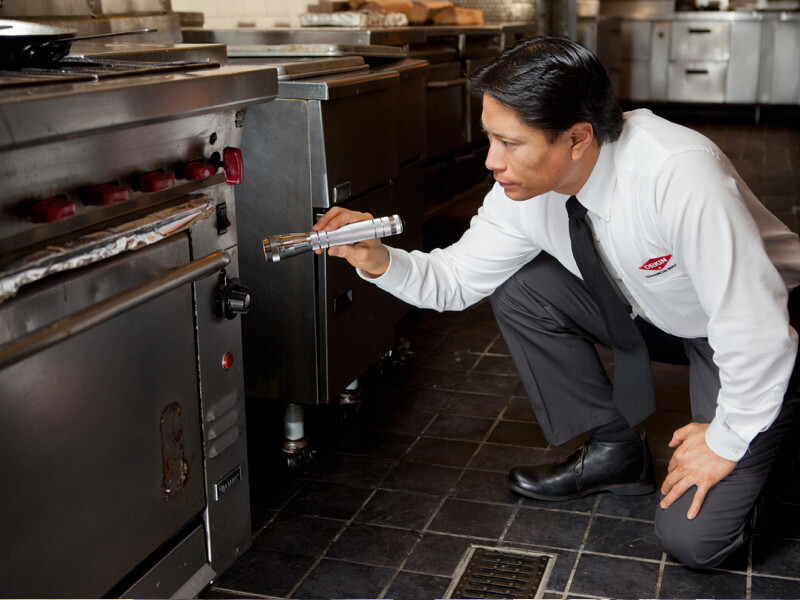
(295, 442)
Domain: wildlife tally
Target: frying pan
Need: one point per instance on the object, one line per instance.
(25, 44)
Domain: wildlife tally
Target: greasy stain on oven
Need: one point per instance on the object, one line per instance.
(174, 466)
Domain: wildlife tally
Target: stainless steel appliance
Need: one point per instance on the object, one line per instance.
(329, 138)
(122, 425)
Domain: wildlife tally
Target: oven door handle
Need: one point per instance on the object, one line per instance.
(60, 330)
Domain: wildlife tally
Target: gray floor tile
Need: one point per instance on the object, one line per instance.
(373, 544)
(552, 528)
(474, 519)
(680, 582)
(615, 577)
(337, 579)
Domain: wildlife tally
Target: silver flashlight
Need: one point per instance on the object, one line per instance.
(277, 247)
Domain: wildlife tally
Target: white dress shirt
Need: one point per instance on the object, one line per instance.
(692, 249)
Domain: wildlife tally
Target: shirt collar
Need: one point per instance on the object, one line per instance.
(596, 193)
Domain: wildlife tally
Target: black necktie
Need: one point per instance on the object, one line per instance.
(633, 380)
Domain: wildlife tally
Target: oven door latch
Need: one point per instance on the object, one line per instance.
(232, 297)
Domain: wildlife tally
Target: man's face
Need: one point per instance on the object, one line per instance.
(522, 159)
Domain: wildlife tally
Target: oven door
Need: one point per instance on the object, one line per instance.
(100, 433)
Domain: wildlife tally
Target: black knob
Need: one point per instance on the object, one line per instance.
(232, 297)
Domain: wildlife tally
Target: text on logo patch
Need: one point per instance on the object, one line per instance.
(656, 264)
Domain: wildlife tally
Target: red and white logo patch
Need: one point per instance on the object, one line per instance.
(656, 264)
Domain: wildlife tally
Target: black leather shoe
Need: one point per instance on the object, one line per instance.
(622, 468)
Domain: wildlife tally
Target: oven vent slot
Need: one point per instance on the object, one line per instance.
(222, 429)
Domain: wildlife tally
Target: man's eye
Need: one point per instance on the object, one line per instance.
(509, 144)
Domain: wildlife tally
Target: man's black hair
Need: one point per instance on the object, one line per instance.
(553, 83)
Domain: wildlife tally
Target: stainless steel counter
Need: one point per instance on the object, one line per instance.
(380, 36)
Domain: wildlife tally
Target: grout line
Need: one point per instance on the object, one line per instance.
(580, 550)
(661, 567)
(241, 593)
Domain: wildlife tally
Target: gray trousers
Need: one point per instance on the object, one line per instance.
(551, 325)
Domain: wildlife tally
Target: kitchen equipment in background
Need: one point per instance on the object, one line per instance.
(352, 36)
(25, 44)
(721, 57)
(121, 384)
(82, 8)
(277, 247)
(454, 145)
(505, 11)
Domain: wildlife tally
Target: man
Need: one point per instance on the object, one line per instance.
(703, 266)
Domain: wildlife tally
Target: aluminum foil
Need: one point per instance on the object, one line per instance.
(101, 245)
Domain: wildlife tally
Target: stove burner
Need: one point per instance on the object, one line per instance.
(78, 68)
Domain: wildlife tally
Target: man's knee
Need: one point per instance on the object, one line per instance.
(539, 283)
(699, 543)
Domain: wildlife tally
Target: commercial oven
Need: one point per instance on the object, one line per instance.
(122, 425)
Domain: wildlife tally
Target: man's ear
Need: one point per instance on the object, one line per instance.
(581, 137)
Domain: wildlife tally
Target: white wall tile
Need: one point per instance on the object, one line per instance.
(228, 10)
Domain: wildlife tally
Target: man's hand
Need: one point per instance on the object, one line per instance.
(370, 256)
(693, 463)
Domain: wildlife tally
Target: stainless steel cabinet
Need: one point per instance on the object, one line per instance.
(784, 82)
(726, 57)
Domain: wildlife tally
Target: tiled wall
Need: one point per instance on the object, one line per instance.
(252, 13)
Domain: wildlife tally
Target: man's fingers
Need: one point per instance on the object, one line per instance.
(674, 491)
(678, 436)
(697, 502)
(337, 217)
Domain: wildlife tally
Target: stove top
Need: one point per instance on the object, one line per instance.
(78, 69)
(103, 85)
(93, 62)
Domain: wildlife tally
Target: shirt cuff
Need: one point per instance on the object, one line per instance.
(723, 442)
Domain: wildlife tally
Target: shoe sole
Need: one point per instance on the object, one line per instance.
(628, 489)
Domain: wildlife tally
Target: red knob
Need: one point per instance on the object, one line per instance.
(156, 181)
(107, 193)
(233, 165)
(198, 170)
(52, 209)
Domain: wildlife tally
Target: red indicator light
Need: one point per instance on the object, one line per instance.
(227, 361)
(52, 209)
(156, 181)
(233, 165)
(107, 193)
(198, 170)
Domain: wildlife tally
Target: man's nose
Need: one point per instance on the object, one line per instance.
(494, 158)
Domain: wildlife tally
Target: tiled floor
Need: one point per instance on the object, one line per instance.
(402, 486)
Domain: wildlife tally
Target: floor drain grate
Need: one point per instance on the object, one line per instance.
(487, 572)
